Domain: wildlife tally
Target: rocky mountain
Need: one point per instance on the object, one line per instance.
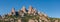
(24, 15)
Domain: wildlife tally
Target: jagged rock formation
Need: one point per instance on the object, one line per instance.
(13, 11)
(31, 11)
(24, 9)
(24, 15)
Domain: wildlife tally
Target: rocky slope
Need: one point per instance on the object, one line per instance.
(24, 15)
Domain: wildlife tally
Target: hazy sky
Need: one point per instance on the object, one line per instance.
(50, 7)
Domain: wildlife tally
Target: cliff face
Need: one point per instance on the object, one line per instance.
(25, 15)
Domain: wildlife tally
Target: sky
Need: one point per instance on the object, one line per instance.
(50, 7)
